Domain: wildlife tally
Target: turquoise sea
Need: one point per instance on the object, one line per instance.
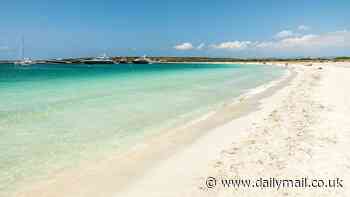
(52, 116)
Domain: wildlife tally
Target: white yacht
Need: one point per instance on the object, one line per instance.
(24, 61)
(103, 59)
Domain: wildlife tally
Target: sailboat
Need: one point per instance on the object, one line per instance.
(24, 61)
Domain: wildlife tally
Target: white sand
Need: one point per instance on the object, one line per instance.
(301, 130)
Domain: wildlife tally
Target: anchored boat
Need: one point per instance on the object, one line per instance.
(103, 59)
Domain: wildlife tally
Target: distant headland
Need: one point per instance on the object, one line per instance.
(165, 59)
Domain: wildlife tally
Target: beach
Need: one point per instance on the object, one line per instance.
(174, 98)
(297, 127)
(300, 131)
(57, 119)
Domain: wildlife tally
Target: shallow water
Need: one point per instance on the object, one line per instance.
(54, 115)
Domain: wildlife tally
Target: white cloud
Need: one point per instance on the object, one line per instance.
(200, 46)
(303, 28)
(336, 39)
(291, 43)
(284, 34)
(184, 46)
(232, 45)
(286, 42)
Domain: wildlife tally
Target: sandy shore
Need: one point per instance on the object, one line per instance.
(301, 129)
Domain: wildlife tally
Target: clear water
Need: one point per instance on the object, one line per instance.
(54, 115)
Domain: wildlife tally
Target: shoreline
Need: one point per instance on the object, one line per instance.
(242, 107)
(297, 127)
(301, 130)
(152, 151)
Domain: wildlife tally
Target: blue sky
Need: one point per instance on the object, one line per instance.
(222, 28)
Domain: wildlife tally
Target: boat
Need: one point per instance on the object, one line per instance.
(24, 61)
(103, 59)
(142, 60)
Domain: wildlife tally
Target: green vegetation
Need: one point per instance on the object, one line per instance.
(343, 58)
